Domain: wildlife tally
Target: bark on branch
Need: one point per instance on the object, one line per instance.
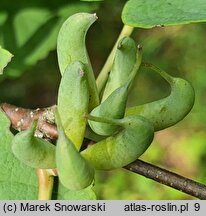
(168, 178)
(22, 118)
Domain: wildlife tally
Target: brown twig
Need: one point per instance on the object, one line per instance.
(168, 178)
(21, 119)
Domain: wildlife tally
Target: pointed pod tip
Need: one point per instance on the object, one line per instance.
(121, 41)
(119, 46)
(126, 42)
(95, 16)
(139, 47)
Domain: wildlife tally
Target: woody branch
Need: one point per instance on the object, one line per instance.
(22, 118)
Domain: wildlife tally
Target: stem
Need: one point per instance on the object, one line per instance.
(21, 119)
(101, 79)
(162, 73)
(168, 178)
(46, 181)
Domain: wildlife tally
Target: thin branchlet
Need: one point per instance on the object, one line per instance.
(21, 119)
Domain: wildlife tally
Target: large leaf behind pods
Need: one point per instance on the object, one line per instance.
(150, 13)
(17, 181)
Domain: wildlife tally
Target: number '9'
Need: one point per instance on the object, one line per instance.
(197, 206)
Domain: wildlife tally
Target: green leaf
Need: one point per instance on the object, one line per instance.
(150, 13)
(30, 29)
(5, 58)
(17, 181)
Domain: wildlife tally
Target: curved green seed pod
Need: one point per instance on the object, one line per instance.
(115, 104)
(73, 99)
(33, 151)
(113, 107)
(74, 171)
(168, 111)
(71, 47)
(124, 147)
(89, 134)
(124, 61)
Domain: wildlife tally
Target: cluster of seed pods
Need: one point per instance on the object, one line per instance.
(122, 134)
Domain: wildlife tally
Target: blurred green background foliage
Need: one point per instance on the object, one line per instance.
(29, 30)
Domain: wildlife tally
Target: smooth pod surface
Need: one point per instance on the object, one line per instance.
(71, 47)
(115, 104)
(168, 111)
(75, 173)
(124, 61)
(113, 107)
(73, 99)
(33, 151)
(123, 148)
